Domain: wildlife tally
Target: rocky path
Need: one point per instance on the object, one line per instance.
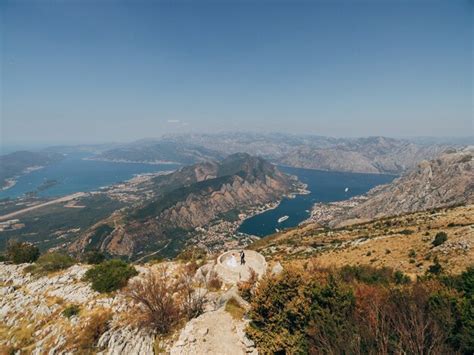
(213, 332)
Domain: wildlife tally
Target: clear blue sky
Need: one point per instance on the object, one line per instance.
(90, 71)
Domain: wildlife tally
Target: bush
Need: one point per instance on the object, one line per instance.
(192, 254)
(71, 310)
(165, 301)
(317, 312)
(192, 296)
(214, 283)
(435, 269)
(83, 339)
(54, 261)
(412, 253)
(156, 296)
(439, 239)
(367, 274)
(21, 252)
(109, 276)
(401, 278)
(246, 288)
(93, 257)
(279, 312)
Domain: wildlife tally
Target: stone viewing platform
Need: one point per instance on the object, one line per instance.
(229, 269)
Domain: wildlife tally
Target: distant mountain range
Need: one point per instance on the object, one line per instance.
(161, 151)
(17, 163)
(367, 155)
(191, 197)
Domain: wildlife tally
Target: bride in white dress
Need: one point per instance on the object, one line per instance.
(232, 261)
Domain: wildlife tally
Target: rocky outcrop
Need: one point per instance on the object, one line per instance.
(31, 312)
(445, 181)
(32, 319)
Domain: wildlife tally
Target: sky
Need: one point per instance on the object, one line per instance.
(102, 71)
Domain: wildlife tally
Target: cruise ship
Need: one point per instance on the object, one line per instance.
(283, 219)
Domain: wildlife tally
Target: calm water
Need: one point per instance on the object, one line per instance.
(324, 186)
(75, 174)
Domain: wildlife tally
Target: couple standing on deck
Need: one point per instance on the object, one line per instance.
(232, 261)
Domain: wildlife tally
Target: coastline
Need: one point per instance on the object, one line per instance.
(301, 189)
(9, 183)
(225, 235)
(155, 162)
(12, 181)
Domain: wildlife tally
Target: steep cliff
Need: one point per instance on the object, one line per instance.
(445, 181)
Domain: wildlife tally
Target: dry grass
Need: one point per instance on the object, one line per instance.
(93, 324)
(384, 242)
(214, 283)
(22, 336)
(234, 309)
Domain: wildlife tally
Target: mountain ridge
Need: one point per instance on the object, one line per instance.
(190, 198)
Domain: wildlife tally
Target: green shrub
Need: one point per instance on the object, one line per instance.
(367, 274)
(109, 276)
(71, 310)
(439, 239)
(412, 253)
(401, 278)
(21, 252)
(280, 313)
(315, 311)
(54, 261)
(192, 254)
(93, 257)
(435, 269)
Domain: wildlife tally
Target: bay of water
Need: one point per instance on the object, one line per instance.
(74, 174)
(324, 186)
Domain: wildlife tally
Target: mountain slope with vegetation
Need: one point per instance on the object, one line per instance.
(192, 197)
(447, 180)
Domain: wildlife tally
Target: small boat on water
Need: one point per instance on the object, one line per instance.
(346, 189)
(283, 219)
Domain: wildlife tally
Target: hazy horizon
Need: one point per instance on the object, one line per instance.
(100, 72)
(6, 148)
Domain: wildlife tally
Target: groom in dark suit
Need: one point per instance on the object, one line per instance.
(242, 258)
